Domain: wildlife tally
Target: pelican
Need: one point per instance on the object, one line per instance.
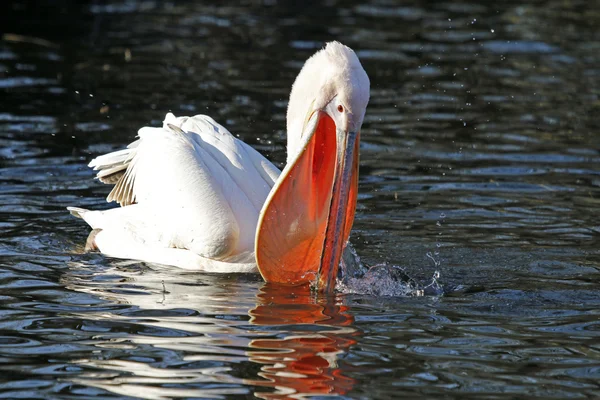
(195, 197)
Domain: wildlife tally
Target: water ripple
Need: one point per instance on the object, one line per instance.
(479, 167)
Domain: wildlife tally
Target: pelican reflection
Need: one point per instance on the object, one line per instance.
(313, 332)
(164, 335)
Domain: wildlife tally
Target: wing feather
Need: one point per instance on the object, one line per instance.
(201, 187)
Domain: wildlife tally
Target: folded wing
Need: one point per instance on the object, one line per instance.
(193, 186)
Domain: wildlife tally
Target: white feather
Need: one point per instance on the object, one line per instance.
(196, 188)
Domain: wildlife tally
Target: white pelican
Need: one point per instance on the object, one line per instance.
(195, 197)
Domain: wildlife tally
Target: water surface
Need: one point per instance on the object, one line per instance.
(480, 159)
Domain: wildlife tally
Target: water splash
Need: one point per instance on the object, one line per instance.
(432, 257)
(351, 265)
(435, 255)
(383, 279)
(389, 280)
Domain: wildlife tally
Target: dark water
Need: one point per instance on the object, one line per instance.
(480, 160)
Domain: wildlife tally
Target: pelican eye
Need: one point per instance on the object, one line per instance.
(340, 108)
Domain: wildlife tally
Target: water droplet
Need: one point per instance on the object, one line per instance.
(436, 263)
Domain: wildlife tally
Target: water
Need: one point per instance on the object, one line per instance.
(480, 159)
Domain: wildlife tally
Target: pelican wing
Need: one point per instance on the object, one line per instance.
(201, 187)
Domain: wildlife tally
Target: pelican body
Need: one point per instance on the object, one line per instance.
(195, 197)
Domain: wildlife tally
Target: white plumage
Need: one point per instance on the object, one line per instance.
(191, 195)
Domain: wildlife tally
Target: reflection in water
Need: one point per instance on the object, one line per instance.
(173, 314)
(480, 147)
(304, 361)
(175, 332)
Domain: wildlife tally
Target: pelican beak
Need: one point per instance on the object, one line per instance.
(306, 220)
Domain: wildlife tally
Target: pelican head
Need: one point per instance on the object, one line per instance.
(306, 220)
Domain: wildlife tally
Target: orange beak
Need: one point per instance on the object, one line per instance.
(306, 220)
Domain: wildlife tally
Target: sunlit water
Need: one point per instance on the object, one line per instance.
(480, 161)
